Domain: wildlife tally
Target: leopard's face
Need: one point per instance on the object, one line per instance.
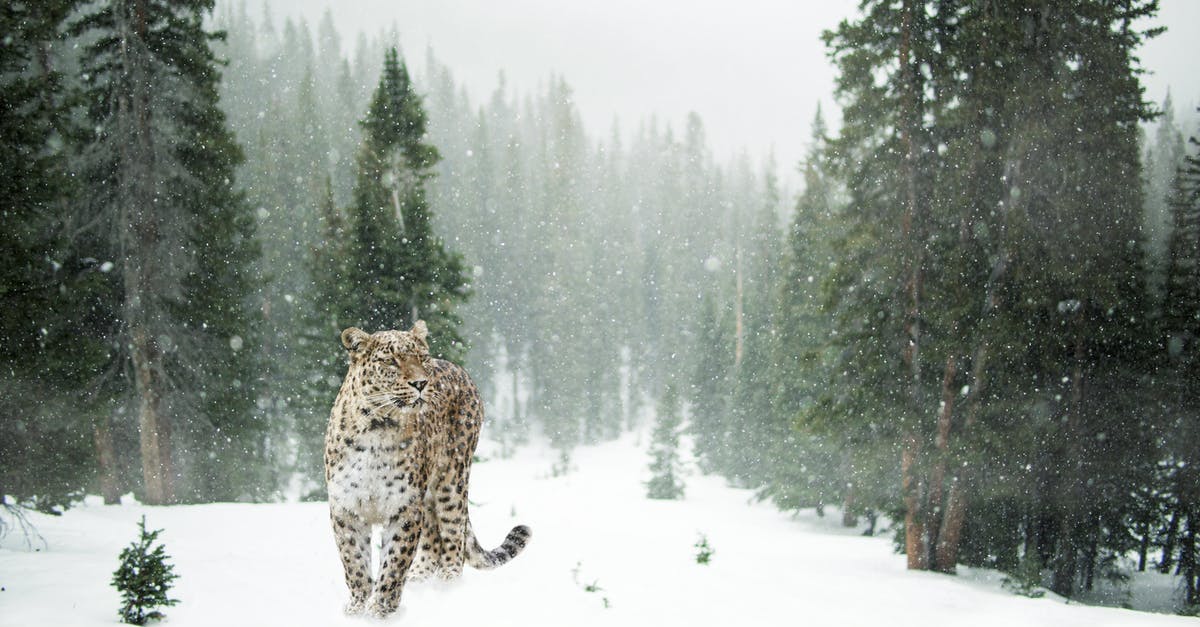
(390, 365)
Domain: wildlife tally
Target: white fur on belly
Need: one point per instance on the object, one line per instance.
(369, 465)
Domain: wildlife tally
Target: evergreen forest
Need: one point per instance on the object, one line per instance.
(977, 319)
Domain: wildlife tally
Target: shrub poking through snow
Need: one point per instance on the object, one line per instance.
(143, 578)
(594, 586)
(704, 552)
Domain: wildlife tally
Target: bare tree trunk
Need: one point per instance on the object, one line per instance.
(849, 517)
(913, 485)
(142, 268)
(154, 427)
(1143, 546)
(913, 224)
(1067, 562)
(1089, 570)
(106, 458)
(1168, 551)
(941, 441)
(955, 516)
(1187, 561)
(916, 548)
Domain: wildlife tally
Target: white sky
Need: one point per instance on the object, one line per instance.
(753, 69)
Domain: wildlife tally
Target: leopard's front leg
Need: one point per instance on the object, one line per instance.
(451, 510)
(400, 536)
(353, 537)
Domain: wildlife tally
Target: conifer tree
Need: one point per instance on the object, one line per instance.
(948, 148)
(161, 173)
(1162, 160)
(144, 578)
(665, 482)
(710, 391)
(753, 395)
(320, 365)
(400, 270)
(806, 468)
(1181, 329)
(55, 297)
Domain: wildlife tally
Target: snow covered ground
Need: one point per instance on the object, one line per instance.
(275, 564)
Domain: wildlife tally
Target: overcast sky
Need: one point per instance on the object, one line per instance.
(753, 69)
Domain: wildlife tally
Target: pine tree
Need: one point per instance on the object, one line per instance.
(144, 578)
(710, 391)
(56, 296)
(1181, 330)
(1162, 160)
(1182, 290)
(320, 365)
(665, 482)
(963, 146)
(806, 467)
(160, 171)
(752, 406)
(877, 287)
(401, 271)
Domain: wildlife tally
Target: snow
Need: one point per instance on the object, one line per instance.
(275, 564)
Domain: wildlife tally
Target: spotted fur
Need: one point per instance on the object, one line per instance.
(398, 455)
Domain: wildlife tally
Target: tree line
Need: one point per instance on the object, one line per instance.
(284, 190)
(978, 319)
(983, 324)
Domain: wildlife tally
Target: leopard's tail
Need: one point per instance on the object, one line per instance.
(477, 557)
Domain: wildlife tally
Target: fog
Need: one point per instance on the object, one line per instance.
(753, 69)
(959, 305)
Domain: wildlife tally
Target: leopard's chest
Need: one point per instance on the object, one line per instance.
(374, 476)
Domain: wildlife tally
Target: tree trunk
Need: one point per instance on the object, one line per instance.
(1168, 551)
(849, 517)
(913, 485)
(955, 516)
(1067, 559)
(913, 222)
(1187, 561)
(154, 427)
(1144, 546)
(941, 442)
(142, 266)
(1089, 568)
(872, 518)
(110, 487)
(916, 547)
(1071, 495)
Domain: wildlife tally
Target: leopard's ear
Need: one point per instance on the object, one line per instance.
(354, 338)
(420, 330)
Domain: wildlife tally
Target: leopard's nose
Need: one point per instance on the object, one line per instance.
(419, 384)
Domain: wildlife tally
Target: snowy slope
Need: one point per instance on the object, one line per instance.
(275, 564)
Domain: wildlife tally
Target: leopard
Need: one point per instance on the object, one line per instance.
(401, 437)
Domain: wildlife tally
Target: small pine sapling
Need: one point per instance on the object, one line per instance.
(664, 450)
(143, 578)
(1026, 579)
(704, 552)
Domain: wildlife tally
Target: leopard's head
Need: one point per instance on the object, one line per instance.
(390, 365)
